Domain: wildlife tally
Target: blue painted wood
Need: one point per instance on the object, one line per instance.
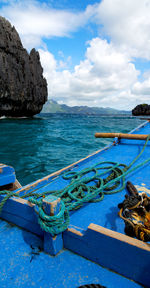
(56, 181)
(7, 175)
(123, 152)
(116, 253)
(23, 223)
(52, 245)
(21, 268)
(24, 216)
(104, 212)
(21, 214)
(20, 208)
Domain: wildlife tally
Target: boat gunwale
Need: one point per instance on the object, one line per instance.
(57, 173)
(85, 237)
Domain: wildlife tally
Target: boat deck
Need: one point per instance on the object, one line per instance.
(103, 242)
(66, 270)
(105, 213)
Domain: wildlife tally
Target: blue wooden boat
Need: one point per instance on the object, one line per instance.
(93, 247)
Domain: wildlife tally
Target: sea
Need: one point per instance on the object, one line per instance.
(38, 146)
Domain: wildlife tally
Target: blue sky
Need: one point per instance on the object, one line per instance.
(94, 53)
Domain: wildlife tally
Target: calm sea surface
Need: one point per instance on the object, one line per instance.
(39, 146)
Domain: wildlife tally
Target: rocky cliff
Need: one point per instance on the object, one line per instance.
(142, 109)
(23, 90)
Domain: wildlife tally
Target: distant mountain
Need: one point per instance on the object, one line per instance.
(52, 106)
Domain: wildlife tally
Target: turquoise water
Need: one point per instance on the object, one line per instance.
(39, 146)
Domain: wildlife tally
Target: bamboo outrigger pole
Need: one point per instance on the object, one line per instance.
(122, 135)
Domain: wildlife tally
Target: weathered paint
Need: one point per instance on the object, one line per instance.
(125, 255)
(7, 175)
(103, 214)
(21, 213)
(39, 183)
(20, 268)
(52, 245)
(142, 188)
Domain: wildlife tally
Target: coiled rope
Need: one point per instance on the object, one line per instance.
(135, 211)
(83, 188)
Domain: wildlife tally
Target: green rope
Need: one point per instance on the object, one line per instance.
(87, 185)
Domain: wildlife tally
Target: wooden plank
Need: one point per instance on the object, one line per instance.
(108, 248)
(120, 237)
(16, 185)
(122, 136)
(7, 175)
(20, 207)
(23, 223)
(39, 183)
(52, 245)
(11, 186)
(22, 213)
(120, 253)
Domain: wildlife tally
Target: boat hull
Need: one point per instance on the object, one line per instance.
(95, 231)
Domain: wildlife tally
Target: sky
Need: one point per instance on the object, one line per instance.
(94, 53)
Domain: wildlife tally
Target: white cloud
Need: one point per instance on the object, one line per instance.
(107, 76)
(142, 89)
(98, 80)
(34, 21)
(127, 23)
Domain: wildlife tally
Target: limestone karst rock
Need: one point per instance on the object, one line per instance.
(23, 89)
(141, 109)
